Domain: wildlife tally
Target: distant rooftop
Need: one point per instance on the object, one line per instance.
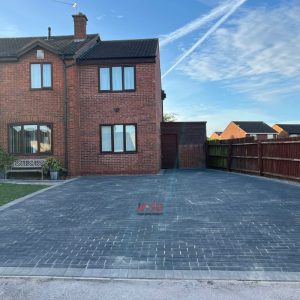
(290, 128)
(255, 127)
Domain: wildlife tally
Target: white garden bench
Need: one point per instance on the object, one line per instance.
(26, 166)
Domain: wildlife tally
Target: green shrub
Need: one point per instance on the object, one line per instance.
(52, 165)
(6, 159)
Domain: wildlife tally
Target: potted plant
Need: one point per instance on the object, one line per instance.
(6, 161)
(53, 166)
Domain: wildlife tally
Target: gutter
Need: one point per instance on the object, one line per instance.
(261, 132)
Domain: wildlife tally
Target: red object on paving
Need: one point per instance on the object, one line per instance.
(153, 208)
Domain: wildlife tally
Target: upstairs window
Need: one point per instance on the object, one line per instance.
(30, 139)
(117, 79)
(119, 138)
(105, 79)
(129, 83)
(41, 76)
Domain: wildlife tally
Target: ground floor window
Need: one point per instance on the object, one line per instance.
(118, 138)
(30, 139)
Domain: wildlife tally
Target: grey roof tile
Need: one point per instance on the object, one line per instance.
(10, 47)
(255, 127)
(290, 128)
(143, 48)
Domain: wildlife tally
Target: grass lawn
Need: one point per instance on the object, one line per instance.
(9, 191)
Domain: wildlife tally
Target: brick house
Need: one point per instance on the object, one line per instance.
(96, 105)
(215, 135)
(241, 129)
(287, 130)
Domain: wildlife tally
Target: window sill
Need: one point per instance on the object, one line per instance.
(116, 92)
(32, 154)
(117, 153)
(42, 89)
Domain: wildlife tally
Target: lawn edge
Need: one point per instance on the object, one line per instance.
(19, 200)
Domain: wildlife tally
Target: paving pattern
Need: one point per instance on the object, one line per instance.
(212, 221)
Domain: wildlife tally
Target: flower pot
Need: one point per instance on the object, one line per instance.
(54, 175)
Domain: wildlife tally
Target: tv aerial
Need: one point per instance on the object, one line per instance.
(73, 4)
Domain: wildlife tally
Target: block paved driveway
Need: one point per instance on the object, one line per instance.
(212, 221)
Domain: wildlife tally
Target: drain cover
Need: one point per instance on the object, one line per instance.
(152, 208)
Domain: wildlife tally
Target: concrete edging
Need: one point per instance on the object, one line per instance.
(148, 274)
(19, 200)
(274, 179)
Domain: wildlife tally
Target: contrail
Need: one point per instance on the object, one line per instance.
(206, 35)
(196, 24)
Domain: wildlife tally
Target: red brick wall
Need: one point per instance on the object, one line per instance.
(74, 159)
(232, 131)
(87, 109)
(79, 26)
(18, 104)
(215, 136)
(142, 107)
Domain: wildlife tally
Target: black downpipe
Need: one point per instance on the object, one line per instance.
(66, 115)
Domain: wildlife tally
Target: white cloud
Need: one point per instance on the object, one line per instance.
(197, 23)
(210, 2)
(211, 30)
(101, 17)
(258, 53)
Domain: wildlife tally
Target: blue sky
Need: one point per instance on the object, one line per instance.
(239, 59)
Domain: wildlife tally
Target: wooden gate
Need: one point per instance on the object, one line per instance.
(169, 149)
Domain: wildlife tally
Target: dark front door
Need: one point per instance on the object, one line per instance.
(169, 151)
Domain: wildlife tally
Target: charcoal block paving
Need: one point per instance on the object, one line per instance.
(212, 221)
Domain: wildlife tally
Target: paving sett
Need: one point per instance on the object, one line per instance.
(212, 221)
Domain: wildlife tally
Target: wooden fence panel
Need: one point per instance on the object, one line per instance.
(218, 155)
(244, 157)
(280, 158)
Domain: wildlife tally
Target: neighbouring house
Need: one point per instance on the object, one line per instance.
(96, 105)
(241, 129)
(287, 130)
(216, 135)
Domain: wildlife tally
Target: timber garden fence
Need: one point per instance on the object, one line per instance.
(276, 157)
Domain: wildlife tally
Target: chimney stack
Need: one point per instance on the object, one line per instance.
(49, 33)
(80, 26)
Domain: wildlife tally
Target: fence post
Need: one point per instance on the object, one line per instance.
(206, 149)
(229, 157)
(259, 154)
